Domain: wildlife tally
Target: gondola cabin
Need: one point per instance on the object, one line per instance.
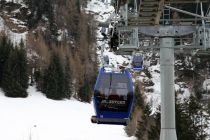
(137, 62)
(113, 97)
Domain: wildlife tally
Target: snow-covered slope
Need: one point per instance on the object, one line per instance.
(11, 21)
(102, 12)
(14, 37)
(39, 118)
(15, 1)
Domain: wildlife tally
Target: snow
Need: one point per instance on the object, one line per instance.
(206, 84)
(103, 10)
(39, 118)
(15, 1)
(153, 98)
(1, 24)
(18, 1)
(14, 37)
(115, 60)
(16, 21)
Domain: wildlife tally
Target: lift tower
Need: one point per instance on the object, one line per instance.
(168, 126)
(153, 28)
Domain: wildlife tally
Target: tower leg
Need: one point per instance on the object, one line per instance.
(168, 127)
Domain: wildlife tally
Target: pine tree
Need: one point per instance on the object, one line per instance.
(84, 93)
(53, 85)
(38, 10)
(141, 130)
(78, 6)
(5, 48)
(143, 125)
(190, 120)
(68, 80)
(199, 119)
(154, 132)
(15, 77)
(208, 107)
(38, 76)
(23, 69)
(183, 123)
(139, 101)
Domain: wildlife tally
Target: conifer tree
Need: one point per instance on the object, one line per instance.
(139, 101)
(208, 107)
(5, 48)
(23, 69)
(138, 106)
(154, 132)
(199, 118)
(190, 120)
(38, 76)
(143, 124)
(53, 85)
(78, 6)
(145, 128)
(15, 77)
(68, 80)
(84, 92)
(183, 122)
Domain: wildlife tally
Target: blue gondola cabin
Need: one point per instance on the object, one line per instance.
(113, 97)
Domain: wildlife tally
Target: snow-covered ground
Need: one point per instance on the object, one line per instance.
(101, 8)
(15, 1)
(39, 118)
(103, 11)
(14, 37)
(153, 98)
(206, 84)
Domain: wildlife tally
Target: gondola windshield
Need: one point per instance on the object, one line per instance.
(137, 61)
(113, 93)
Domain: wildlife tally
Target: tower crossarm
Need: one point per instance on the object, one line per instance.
(187, 37)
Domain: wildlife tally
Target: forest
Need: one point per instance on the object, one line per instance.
(59, 54)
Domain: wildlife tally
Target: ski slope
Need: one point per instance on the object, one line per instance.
(39, 118)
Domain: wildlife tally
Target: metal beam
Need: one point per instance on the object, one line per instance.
(161, 31)
(186, 12)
